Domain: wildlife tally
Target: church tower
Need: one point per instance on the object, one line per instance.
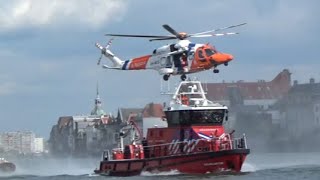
(97, 110)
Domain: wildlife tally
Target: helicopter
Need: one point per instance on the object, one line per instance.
(180, 58)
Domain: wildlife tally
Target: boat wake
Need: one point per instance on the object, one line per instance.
(267, 161)
(247, 167)
(157, 173)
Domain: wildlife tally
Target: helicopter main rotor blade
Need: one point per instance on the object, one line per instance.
(139, 36)
(214, 34)
(160, 39)
(176, 35)
(219, 29)
(172, 31)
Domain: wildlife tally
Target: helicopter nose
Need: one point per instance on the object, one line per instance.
(222, 57)
(229, 57)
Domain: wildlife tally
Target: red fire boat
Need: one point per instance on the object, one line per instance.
(193, 142)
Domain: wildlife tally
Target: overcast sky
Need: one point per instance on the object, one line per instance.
(48, 58)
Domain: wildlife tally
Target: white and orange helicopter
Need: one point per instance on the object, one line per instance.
(179, 58)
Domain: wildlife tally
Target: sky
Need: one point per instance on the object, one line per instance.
(48, 61)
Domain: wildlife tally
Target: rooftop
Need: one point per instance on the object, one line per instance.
(153, 110)
(261, 89)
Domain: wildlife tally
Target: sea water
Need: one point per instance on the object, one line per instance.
(275, 166)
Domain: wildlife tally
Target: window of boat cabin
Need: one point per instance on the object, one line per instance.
(195, 117)
(192, 90)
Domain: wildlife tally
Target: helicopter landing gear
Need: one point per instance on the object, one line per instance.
(226, 64)
(183, 77)
(166, 77)
(216, 71)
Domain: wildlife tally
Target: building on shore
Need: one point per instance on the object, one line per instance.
(39, 145)
(300, 117)
(20, 142)
(276, 115)
(138, 122)
(84, 135)
(262, 93)
(152, 116)
(252, 106)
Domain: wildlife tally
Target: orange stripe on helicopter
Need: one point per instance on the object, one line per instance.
(139, 63)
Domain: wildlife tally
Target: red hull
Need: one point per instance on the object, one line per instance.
(196, 163)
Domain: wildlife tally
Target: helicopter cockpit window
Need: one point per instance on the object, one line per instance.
(209, 52)
(154, 51)
(200, 54)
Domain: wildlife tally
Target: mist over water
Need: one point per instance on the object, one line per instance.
(256, 166)
(52, 167)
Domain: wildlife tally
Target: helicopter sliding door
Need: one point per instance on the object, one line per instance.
(167, 61)
(176, 58)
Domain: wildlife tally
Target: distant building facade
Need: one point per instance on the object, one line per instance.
(21, 142)
(39, 145)
(262, 93)
(153, 116)
(131, 124)
(300, 114)
(276, 113)
(83, 135)
(137, 121)
(86, 135)
(252, 96)
(252, 106)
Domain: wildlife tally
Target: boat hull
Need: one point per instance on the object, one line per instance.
(7, 167)
(199, 163)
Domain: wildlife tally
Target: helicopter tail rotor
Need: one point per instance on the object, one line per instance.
(103, 49)
(99, 60)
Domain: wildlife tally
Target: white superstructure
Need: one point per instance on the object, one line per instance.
(190, 95)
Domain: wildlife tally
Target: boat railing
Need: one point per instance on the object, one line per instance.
(188, 146)
(176, 147)
(106, 155)
(240, 143)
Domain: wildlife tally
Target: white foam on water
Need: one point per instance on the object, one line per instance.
(93, 175)
(247, 167)
(263, 161)
(51, 167)
(164, 173)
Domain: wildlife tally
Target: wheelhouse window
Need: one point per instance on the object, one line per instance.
(195, 117)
